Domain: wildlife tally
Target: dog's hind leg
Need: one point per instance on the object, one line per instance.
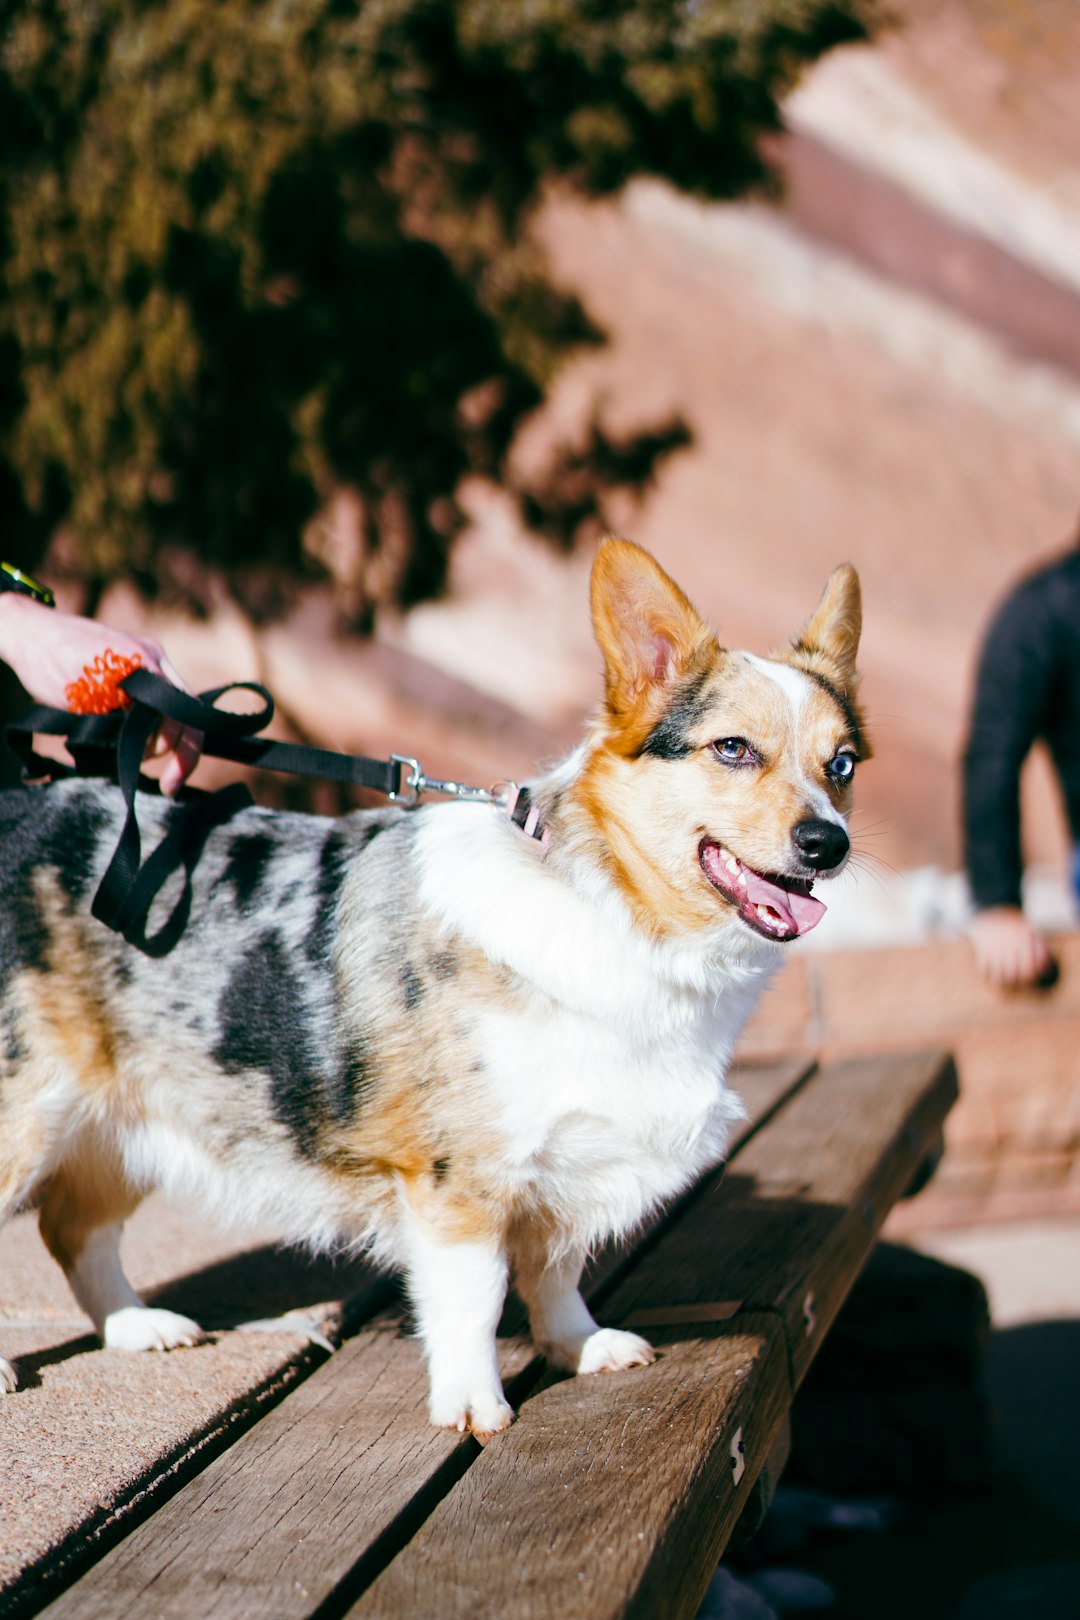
(24, 1149)
(562, 1326)
(15, 1183)
(85, 1202)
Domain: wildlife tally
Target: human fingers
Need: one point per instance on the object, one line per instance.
(1038, 960)
(994, 937)
(1025, 954)
(185, 744)
(180, 747)
(1010, 953)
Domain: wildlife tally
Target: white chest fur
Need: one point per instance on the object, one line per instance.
(606, 1072)
(599, 1127)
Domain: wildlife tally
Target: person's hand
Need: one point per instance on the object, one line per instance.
(57, 655)
(1009, 951)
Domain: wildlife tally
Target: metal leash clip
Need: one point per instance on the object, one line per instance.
(414, 783)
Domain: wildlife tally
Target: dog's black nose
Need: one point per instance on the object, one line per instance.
(821, 844)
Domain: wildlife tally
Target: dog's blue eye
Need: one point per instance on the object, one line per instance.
(842, 768)
(734, 751)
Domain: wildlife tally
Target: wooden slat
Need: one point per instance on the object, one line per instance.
(788, 1225)
(763, 1087)
(274, 1524)
(278, 1521)
(793, 1218)
(579, 1510)
(314, 1500)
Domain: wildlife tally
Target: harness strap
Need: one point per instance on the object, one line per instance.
(526, 816)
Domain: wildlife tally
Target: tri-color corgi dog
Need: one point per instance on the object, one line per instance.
(419, 1032)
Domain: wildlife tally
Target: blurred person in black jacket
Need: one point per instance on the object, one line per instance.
(1027, 688)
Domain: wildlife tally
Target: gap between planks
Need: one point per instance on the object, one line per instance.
(598, 1547)
(185, 1534)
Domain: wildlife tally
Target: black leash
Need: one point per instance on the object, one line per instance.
(113, 746)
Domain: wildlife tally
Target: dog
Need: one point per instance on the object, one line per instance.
(419, 1033)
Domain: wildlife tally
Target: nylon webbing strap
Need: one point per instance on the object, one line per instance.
(113, 746)
(233, 736)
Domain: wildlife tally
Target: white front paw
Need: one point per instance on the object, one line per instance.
(481, 1413)
(9, 1378)
(140, 1327)
(613, 1350)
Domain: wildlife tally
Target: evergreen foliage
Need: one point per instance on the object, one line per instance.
(257, 251)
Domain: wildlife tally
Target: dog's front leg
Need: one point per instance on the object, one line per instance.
(457, 1289)
(562, 1326)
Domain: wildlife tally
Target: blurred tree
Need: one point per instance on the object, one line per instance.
(260, 253)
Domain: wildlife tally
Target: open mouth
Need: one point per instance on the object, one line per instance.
(780, 908)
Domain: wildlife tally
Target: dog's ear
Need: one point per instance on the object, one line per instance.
(649, 633)
(831, 635)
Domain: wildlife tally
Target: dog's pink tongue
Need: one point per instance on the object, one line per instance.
(800, 912)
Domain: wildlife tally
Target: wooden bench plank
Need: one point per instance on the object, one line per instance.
(579, 1509)
(789, 1223)
(310, 1496)
(273, 1524)
(793, 1217)
(763, 1087)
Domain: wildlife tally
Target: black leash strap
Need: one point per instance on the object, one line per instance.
(233, 736)
(113, 746)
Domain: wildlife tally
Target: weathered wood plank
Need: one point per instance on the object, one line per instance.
(276, 1523)
(579, 1510)
(790, 1223)
(764, 1087)
(97, 1437)
(273, 1526)
(785, 1231)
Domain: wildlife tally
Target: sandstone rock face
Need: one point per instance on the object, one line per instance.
(884, 367)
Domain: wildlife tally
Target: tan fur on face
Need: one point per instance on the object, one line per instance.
(652, 813)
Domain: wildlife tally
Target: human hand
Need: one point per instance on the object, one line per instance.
(1008, 950)
(59, 657)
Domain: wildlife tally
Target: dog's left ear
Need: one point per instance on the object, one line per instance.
(831, 635)
(649, 633)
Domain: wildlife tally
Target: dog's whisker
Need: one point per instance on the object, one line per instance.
(868, 861)
(853, 873)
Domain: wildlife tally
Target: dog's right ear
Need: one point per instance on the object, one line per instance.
(651, 636)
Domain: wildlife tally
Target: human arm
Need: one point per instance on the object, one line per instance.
(1014, 683)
